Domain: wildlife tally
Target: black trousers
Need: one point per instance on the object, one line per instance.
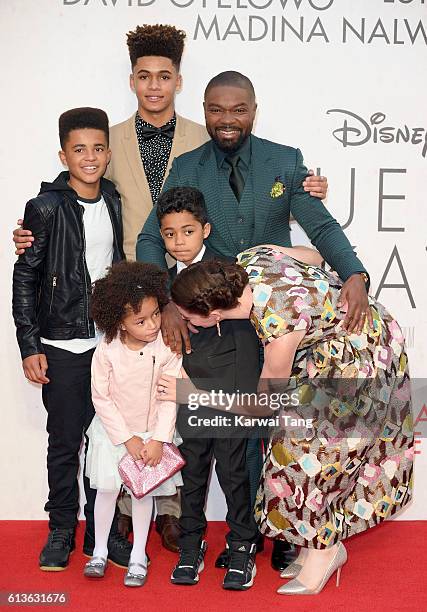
(67, 399)
(254, 463)
(231, 468)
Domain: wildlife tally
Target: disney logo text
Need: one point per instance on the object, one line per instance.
(356, 131)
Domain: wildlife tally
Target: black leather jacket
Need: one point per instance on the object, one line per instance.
(51, 283)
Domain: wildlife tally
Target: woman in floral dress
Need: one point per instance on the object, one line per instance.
(353, 467)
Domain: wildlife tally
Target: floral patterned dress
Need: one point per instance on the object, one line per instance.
(353, 467)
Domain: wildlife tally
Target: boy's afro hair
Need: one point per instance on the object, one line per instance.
(159, 40)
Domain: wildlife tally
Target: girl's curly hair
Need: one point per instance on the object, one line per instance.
(160, 40)
(124, 288)
(207, 285)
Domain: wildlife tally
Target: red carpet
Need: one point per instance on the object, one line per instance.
(387, 570)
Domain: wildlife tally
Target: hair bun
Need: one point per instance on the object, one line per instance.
(233, 277)
(206, 286)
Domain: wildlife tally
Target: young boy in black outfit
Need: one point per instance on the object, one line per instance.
(76, 222)
(229, 361)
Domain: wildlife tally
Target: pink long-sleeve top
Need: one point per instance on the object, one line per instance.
(124, 389)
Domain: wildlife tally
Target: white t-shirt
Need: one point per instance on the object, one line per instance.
(98, 232)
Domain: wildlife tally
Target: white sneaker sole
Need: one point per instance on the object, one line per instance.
(189, 582)
(242, 587)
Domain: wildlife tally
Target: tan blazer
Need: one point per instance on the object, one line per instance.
(127, 172)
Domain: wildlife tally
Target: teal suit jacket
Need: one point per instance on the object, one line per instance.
(258, 218)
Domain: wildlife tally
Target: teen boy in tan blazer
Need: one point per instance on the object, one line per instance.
(127, 171)
(155, 53)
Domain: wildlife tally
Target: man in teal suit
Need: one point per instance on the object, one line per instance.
(251, 187)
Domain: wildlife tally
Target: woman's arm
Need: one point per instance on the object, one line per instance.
(279, 355)
(307, 255)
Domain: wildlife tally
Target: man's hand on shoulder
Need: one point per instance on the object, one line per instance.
(354, 299)
(22, 238)
(316, 185)
(175, 330)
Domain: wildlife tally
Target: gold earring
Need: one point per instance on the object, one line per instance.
(218, 328)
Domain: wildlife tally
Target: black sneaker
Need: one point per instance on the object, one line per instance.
(119, 548)
(189, 566)
(56, 553)
(223, 558)
(241, 569)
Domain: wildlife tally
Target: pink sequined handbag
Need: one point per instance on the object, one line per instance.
(141, 479)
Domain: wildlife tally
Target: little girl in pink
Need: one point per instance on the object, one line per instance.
(126, 366)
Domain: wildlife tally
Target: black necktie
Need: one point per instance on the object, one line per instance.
(237, 182)
(149, 131)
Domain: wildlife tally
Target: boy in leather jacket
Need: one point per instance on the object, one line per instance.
(76, 221)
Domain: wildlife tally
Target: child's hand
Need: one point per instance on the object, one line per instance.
(35, 368)
(135, 447)
(22, 238)
(152, 452)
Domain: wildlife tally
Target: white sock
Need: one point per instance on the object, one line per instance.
(142, 511)
(105, 505)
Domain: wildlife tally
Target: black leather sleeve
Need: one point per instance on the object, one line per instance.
(26, 283)
(120, 226)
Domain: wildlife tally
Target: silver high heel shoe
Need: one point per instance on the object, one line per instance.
(95, 568)
(295, 587)
(291, 571)
(136, 575)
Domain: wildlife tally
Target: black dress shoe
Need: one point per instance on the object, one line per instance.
(56, 552)
(283, 554)
(223, 558)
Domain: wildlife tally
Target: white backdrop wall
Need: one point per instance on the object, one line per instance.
(329, 74)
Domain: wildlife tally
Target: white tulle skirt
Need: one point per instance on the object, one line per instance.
(103, 458)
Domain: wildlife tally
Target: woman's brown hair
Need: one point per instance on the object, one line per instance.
(207, 285)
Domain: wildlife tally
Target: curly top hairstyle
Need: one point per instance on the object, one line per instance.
(81, 119)
(179, 199)
(207, 285)
(124, 288)
(160, 40)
